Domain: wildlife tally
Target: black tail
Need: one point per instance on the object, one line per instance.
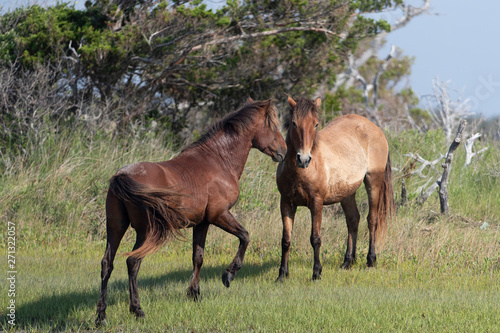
(164, 218)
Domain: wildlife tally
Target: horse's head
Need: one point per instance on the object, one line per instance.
(268, 138)
(302, 126)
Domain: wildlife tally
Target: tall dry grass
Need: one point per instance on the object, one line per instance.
(55, 193)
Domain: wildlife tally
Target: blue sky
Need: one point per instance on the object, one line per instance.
(456, 42)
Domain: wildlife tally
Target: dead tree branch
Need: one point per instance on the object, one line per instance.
(367, 87)
(261, 34)
(381, 70)
(424, 162)
(443, 183)
(468, 149)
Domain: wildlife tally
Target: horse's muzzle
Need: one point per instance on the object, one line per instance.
(278, 157)
(303, 160)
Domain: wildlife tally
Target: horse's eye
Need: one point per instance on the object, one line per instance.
(294, 124)
(316, 126)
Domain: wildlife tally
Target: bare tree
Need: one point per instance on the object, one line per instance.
(443, 182)
(444, 111)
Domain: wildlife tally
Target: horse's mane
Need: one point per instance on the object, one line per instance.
(238, 122)
(302, 109)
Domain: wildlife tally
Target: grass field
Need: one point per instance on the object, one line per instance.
(436, 273)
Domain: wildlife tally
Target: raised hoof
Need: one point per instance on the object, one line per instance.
(227, 278)
(194, 294)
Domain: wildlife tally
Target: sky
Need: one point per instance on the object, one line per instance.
(457, 42)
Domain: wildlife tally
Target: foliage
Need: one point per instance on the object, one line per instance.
(171, 57)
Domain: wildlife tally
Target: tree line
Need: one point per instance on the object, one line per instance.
(117, 63)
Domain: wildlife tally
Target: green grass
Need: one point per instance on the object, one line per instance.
(436, 273)
(58, 289)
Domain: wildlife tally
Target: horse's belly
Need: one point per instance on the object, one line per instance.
(338, 191)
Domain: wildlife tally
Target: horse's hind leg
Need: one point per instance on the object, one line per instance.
(133, 265)
(352, 219)
(199, 237)
(373, 184)
(229, 224)
(116, 225)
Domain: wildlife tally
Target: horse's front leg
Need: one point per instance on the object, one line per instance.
(228, 223)
(316, 208)
(288, 211)
(199, 237)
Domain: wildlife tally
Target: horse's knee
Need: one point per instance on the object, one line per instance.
(315, 241)
(106, 268)
(285, 243)
(198, 256)
(352, 225)
(244, 238)
(133, 265)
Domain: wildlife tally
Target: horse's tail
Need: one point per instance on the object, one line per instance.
(386, 206)
(164, 218)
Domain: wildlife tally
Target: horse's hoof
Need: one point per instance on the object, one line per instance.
(346, 265)
(371, 265)
(227, 278)
(316, 276)
(194, 294)
(371, 260)
(317, 272)
(100, 320)
(138, 313)
(280, 279)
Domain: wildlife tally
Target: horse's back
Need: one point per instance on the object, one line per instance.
(357, 140)
(147, 173)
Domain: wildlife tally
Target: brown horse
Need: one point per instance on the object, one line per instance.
(328, 166)
(195, 189)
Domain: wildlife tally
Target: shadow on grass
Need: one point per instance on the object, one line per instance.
(54, 312)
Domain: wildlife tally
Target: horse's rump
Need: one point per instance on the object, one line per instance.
(161, 207)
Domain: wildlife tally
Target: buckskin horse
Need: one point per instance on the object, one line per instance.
(327, 166)
(195, 189)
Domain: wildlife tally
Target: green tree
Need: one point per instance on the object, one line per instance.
(170, 57)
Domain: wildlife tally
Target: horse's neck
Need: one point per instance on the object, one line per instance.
(232, 152)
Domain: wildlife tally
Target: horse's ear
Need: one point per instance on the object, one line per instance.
(291, 102)
(317, 102)
(267, 105)
(249, 100)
